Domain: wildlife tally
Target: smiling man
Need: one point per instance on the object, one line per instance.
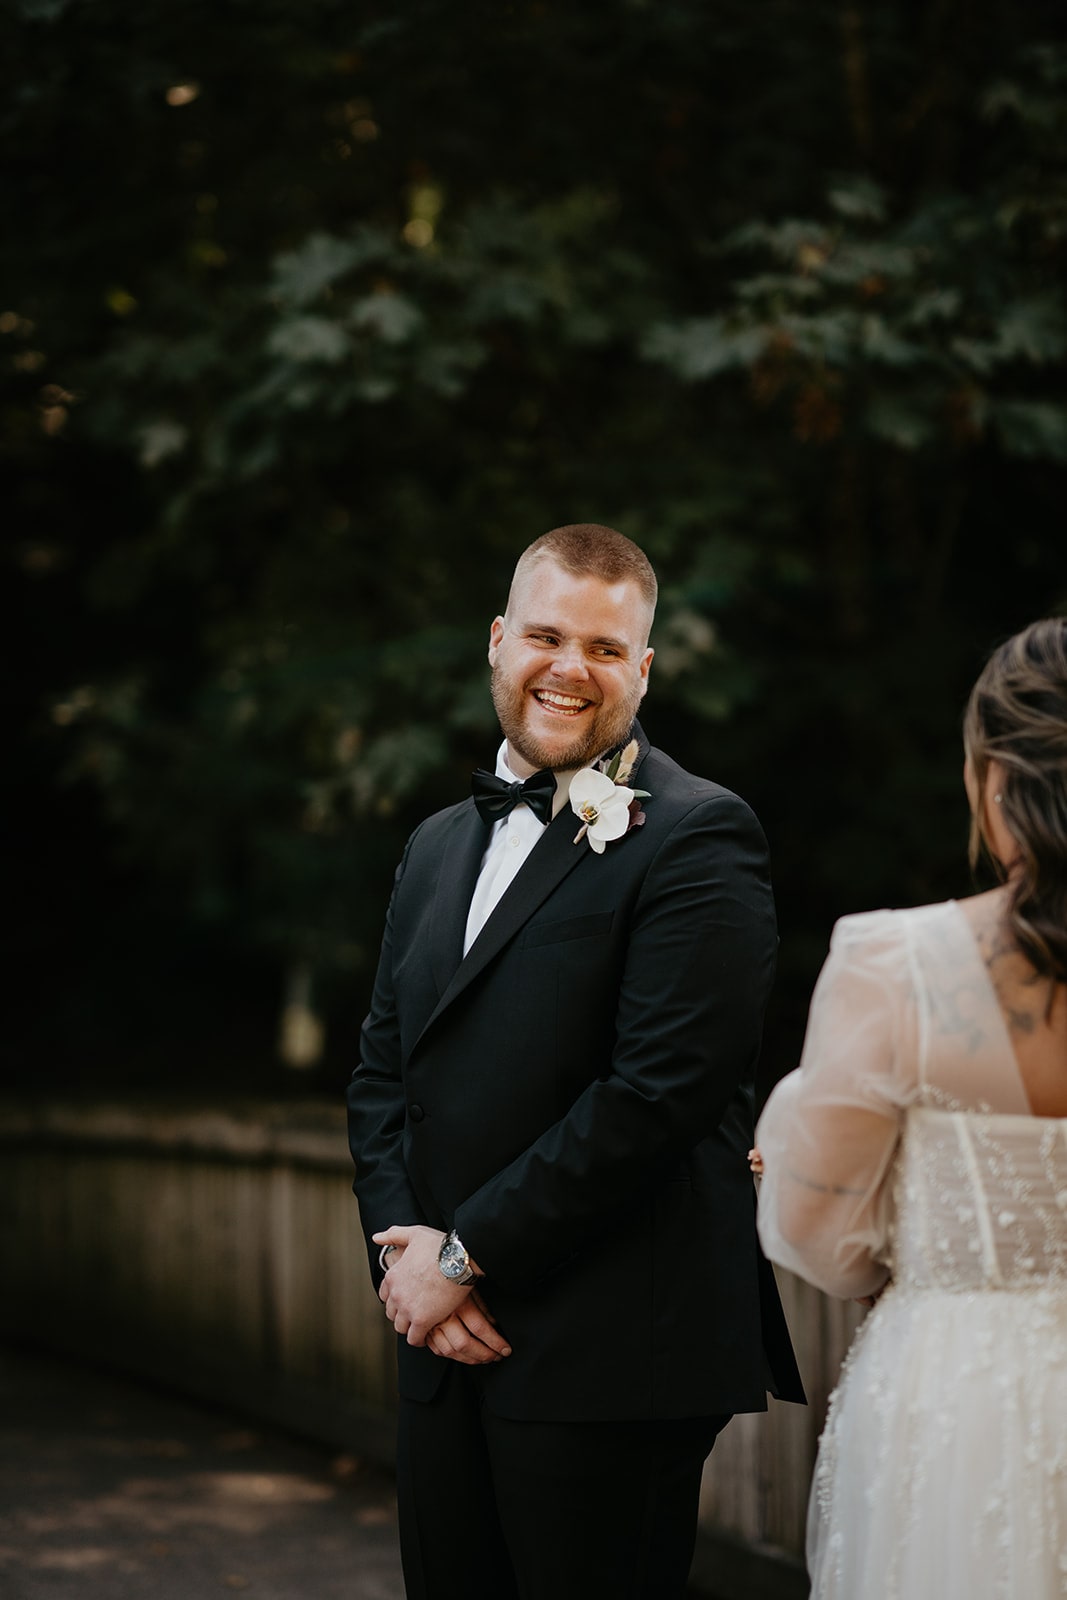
(551, 1117)
(570, 659)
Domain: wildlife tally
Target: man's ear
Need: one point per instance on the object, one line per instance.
(646, 662)
(496, 634)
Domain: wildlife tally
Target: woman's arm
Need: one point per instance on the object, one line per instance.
(830, 1129)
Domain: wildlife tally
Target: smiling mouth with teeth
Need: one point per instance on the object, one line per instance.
(566, 705)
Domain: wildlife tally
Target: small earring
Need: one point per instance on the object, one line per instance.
(997, 799)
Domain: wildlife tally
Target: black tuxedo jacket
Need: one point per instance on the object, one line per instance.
(575, 1098)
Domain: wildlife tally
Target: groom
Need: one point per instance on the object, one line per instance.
(551, 1116)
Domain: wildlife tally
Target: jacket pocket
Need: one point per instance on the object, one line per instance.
(588, 927)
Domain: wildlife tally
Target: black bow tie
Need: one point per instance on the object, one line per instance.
(495, 798)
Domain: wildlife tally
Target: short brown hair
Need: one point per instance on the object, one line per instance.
(588, 549)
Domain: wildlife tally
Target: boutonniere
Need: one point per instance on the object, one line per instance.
(600, 797)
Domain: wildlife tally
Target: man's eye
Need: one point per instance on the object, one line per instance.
(606, 650)
(543, 638)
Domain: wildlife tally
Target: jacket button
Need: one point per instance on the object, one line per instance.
(416, 1113)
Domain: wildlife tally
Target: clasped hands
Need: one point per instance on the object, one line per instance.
(450, 1319)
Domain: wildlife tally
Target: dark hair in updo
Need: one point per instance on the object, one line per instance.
(1017, 715)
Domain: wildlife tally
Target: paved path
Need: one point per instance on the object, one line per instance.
(112, 1491)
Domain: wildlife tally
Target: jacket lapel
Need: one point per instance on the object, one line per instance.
(552, 858)
(461, 857)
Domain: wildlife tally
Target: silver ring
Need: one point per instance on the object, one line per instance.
(382, 1253)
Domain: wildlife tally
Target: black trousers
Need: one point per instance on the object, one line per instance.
(545, 1510)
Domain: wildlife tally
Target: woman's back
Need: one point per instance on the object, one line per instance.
(980, 1191)
(1036, 1028)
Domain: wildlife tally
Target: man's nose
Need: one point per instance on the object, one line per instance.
(569, 661)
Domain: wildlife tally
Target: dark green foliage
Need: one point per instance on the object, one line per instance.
(314, 315)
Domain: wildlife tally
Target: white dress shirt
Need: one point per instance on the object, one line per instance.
(510, 842)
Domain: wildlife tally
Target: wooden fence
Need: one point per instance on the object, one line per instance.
(218, 1249)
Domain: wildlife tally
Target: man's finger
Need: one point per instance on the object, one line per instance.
(450, 1334)
(453, 1340)
(392, 1236)
(482, 1329)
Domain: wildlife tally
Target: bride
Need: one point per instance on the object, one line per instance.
(919, 1155)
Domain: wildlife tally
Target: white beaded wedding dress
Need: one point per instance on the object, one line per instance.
(905, 1141)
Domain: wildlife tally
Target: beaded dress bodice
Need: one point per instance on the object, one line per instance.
(980, 1202)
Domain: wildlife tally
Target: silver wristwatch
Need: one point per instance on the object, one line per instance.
(454, 1262)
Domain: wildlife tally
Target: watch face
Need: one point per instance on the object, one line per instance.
(453, 1259)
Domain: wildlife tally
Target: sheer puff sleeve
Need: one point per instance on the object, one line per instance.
(830, 1129)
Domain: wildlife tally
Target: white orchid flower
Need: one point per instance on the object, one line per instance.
(603, 806)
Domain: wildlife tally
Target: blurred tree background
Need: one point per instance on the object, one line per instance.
(314, 314)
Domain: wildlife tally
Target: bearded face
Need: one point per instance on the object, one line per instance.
(570, 667)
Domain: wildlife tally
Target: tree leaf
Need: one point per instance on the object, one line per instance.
(309, 339)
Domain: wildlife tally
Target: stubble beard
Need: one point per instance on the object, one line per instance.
(608, 728)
